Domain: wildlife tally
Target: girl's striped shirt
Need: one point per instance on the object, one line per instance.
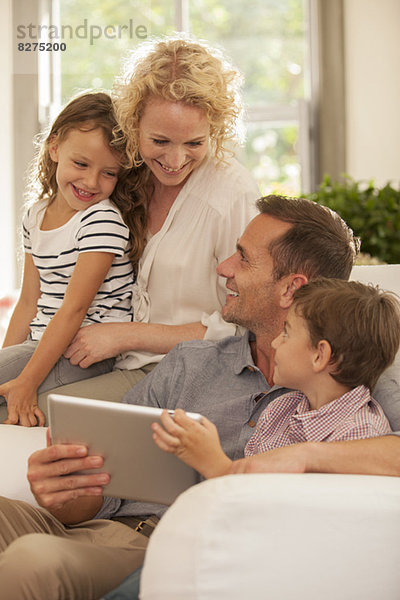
(99, 228)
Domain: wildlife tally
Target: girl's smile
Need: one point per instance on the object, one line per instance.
(87, 170)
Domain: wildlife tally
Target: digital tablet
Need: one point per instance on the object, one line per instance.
(122, 434)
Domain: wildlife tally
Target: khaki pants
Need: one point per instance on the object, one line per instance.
(43, 560)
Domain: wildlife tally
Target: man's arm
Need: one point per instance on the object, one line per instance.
(373, 456)
(162, 386)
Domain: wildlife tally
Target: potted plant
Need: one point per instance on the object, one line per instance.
(372, 212)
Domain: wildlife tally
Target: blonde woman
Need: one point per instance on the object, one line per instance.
(178, 108)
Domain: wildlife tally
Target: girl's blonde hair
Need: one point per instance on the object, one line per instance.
(179, 70)
(92, 110)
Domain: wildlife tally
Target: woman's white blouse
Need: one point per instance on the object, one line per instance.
(177, 281)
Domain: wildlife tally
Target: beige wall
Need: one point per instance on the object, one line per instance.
(372, 83)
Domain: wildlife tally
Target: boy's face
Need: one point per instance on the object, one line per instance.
(293, 354)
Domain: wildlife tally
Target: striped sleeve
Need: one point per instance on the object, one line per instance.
(102, 229)
(26, 238)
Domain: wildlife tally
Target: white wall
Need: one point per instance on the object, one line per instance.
(7, 220)
(372, 63)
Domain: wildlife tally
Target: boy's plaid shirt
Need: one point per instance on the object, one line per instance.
(289, 420)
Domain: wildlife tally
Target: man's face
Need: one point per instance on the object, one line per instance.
(253, 298)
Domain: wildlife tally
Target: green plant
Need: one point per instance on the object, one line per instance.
(373, 213)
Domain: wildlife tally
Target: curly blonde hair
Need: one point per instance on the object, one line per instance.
(88, 111)
(180, 70)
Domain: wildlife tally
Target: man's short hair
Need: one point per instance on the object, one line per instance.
(360, 322)
(319, 243)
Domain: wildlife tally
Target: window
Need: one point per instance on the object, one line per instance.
(269, 40)
(266, 39)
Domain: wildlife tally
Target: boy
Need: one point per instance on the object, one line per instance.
(337, 339)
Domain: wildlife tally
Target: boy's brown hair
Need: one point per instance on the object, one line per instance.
(360, 322)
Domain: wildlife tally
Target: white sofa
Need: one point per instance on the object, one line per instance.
(282, 536)
(278, 537)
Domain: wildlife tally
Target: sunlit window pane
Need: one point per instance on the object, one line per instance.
(271, 154)
(266, 39)
(101, 34)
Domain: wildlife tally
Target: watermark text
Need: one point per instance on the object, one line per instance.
(85, 31)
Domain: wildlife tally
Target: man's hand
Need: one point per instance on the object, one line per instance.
(53, 478)
(22, 404)
(197, 444)
(93, 344)
(288, 459)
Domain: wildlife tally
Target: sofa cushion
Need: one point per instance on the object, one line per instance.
(16, 445)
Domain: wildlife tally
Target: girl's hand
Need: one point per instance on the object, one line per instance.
(21, 404)
(197, 444)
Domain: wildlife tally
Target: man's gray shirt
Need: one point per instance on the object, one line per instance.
(220, 381)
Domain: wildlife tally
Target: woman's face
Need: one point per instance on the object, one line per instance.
(173, 139)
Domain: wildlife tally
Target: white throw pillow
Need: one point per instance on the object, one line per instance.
(16, 445)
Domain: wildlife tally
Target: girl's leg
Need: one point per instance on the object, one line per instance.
(111, 386)
(13, 359)
(64, 373)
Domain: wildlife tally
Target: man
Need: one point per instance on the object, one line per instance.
(290, 242)
(229, 381)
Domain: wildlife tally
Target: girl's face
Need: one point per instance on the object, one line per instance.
(87, 170)
(173, 139)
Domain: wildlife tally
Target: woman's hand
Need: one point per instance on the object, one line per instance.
(22, 404)
(95, 343)
(197, 444)
(53, 478)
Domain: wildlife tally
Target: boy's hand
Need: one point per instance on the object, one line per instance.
(22, 404)
(197, 444)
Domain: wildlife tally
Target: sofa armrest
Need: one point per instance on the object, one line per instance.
(278, 536)
(16, 445)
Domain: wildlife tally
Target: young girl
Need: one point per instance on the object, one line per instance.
(78, 266)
